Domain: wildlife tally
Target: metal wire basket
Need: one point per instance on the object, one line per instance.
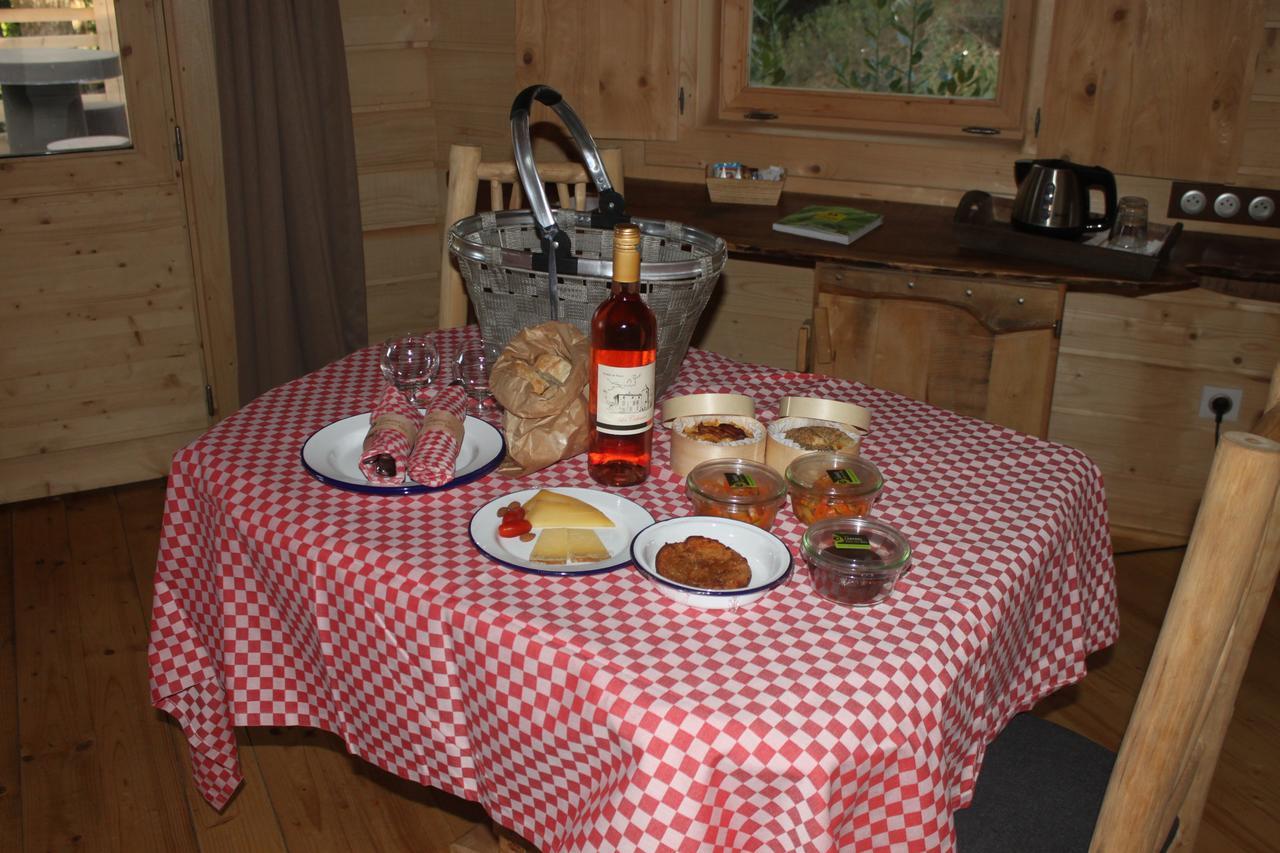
(524, 267)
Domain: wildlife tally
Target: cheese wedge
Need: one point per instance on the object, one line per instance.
(552, 509)
(558, 546)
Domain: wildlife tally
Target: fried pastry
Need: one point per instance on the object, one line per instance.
(703, 562)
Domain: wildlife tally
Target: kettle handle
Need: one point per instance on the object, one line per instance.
(1096, 176)
(1020, 169)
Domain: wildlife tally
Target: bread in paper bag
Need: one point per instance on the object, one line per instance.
(541, 381)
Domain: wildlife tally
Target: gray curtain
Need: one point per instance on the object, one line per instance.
(292, 202)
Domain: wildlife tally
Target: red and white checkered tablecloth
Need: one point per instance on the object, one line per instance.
(593, 713)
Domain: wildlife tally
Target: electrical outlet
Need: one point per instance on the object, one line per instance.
(1261, 208)
(1226, 205)
(1235, 395)
(1207, 202)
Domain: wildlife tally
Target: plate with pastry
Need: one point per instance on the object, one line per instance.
(559, 531)
(711, 563)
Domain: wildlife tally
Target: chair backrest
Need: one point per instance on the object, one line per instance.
(466, 171)
(1173, 739)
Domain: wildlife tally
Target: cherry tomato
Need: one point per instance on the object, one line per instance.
(514, 526)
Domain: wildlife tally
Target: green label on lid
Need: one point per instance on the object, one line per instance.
(739, 481)
(850, 542)
(843, 477)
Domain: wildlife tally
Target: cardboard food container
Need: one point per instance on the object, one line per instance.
(679, 414)
(852, 420)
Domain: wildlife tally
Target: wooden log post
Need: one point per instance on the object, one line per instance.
(464, 160)
(1195, 672)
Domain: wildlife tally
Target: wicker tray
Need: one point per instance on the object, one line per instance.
(744, 191)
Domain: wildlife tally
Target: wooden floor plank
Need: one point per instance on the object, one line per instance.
(10, 766)
(63, 804)
(248, 822)
(136, 763)
(329, 801)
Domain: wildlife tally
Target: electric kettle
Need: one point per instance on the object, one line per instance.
(1053, 198)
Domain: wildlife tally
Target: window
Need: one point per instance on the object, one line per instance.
(60, 77)
(930, 66)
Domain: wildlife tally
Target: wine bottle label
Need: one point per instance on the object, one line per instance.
(624, 399)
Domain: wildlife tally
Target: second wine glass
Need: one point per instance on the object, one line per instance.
(472, 367)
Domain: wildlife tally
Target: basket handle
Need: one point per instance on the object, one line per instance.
(613, 208)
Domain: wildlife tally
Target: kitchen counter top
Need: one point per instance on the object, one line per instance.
(918, 238)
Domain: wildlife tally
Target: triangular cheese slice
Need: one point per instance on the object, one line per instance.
(552, 509)
(559, 545)
(585, 547)
(552, 547)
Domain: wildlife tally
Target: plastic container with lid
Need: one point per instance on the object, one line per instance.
(831, 484)
(736, 488)
(854, 561)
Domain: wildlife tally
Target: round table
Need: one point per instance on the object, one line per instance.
(41, 91)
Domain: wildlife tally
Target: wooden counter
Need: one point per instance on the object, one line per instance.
(918, 238)
(914, 238)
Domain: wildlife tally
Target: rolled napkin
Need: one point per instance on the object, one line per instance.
(394, 424)
(433, 457)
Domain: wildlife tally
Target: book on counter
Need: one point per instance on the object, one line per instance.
(829, 222)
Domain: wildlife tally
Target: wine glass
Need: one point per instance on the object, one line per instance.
(410, 362)
(473, 364)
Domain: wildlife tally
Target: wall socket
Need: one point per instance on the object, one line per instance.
(1224, 203)
(1208, 392)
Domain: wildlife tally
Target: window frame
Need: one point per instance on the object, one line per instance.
(999, 118)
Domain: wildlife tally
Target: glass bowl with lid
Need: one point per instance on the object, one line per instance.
(832, 484)
(854, 561)
(736, 488)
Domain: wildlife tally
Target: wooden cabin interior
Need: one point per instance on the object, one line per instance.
(118, 345)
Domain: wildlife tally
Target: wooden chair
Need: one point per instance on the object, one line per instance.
(1043, 787)
(466, 171)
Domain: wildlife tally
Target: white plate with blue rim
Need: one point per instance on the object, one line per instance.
(332, 456)
(767, 556)
(628, 518)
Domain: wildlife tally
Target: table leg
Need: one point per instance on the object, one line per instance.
(36, 115)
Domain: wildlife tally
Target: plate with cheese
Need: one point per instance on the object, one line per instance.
(573, 531)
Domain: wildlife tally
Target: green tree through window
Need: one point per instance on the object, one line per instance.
(941, 48)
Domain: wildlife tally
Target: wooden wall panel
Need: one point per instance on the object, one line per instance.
(394, 137)
(90, 467)
(393, 254)
(399, 198)
(1261, 148)
(1132, 88)
(1129, 379)
(368, 22)
(382, 76)
(1266, 77)
(487, 22)
(411, 305)
(462, 75)
(618, 61)
(99, 338)
(756, 311)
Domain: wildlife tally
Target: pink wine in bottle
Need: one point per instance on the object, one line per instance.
(624, 347)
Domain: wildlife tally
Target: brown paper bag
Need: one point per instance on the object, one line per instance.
(541, 381)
